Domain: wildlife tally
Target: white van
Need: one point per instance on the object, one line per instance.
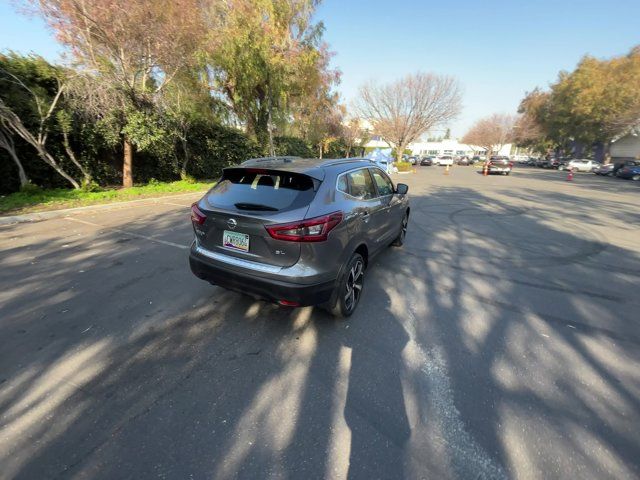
(443, 160)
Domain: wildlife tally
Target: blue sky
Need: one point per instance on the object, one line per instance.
(497, 49)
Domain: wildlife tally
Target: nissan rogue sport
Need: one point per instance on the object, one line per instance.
(296, 231)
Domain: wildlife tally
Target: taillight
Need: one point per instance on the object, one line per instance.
(510, 164)
(312, 230)
(196, 215)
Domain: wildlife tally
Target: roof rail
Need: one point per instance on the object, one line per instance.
(283, 159)
(338, 161)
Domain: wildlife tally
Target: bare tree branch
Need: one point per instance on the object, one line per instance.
(492, 133)
(402, 111)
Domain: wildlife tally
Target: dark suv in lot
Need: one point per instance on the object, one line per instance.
(501, 165)
(297, 231)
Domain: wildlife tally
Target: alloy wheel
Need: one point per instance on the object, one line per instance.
(403, 232)
(353, 285)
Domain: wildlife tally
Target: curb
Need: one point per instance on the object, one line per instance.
(46, 215)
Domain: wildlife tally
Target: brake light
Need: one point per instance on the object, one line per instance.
(196, 215)
(288, 303)
(311, 230)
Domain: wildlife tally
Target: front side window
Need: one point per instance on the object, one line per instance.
(384, 184)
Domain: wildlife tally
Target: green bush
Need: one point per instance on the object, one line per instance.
(91, 187)
(404, 166)
(30, 189)
(292, 146)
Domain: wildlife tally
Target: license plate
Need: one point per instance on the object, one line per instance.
(235, 240)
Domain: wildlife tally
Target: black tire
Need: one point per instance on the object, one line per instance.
(348, 289)
(507, 173)
(399, 241)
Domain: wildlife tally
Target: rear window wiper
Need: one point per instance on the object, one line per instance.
(255, 206)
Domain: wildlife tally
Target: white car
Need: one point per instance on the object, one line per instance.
(444, 160)
(582, 165)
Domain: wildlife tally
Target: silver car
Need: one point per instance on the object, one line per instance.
(296, 231)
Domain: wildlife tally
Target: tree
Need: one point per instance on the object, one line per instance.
(354, 135)
(314, 106)
(32, 90)
(447, 134)
(401, 111)
(326, 126)
(491, 133)
(134, 48)
(7, 143)
(532, 129)
(186, 103)
(264, 55)
(602, 98)
(595, 103)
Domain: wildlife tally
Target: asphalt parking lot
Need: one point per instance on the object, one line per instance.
(502, 341)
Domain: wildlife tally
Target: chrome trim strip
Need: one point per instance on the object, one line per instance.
(237, 262)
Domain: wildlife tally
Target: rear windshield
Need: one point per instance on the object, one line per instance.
(261, 190)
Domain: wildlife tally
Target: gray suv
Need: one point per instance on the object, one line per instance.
(297, 231)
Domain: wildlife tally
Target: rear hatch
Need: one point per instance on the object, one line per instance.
(499, 163)
(243, 202)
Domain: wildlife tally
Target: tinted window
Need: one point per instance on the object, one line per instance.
(385, 187)
(360, 185)
(251, 189)
(342, 184)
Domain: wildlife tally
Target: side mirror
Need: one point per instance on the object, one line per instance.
(402, 189)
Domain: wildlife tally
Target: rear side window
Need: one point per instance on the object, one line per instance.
(261, 190)
(357, 184)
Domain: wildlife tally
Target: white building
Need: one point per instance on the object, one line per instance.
(445, 147)
(626, 147)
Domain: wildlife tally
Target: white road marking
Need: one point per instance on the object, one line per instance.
(467, 456)
(131, 234)
(176, 204)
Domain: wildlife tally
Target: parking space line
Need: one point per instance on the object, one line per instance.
(176, 204)
(131, 234)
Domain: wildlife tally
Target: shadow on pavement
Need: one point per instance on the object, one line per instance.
(467, 358)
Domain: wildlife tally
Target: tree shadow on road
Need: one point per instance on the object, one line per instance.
(467, 358)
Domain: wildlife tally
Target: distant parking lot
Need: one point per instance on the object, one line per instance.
(502, 341)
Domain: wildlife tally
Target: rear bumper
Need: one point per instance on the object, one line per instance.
(251, 284)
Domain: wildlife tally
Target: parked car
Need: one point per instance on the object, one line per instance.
(606, 169)
(426, 161)
(552, 163)
(463, 161)
(443, 160)
(501, 165)
(413, 160)
(630, 172)
(541, 162)
(619, 166)
(580, 165)
(297, 232)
